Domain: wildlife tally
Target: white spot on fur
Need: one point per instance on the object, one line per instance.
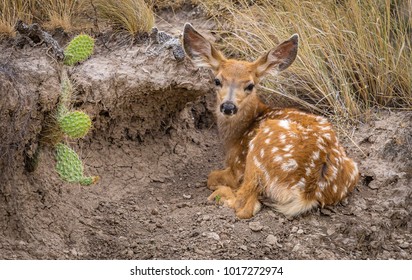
(275, 149)
(287, 148)
(282, 138)
(278, 158)
(262, 153)
(289, 165)
(266, 130)
(336, 151)
(318, 195)
(301, 184)
(315, 155)
(334, 172)
(322, 184)
(335, 189)
(327, 136)
(312, 164)
(261, 167)
(270, 133)
(321, 120)
(285, 124)
(325, 128)
(267, 141)
(308, 171)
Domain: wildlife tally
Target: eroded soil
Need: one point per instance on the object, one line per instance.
(153, 144)
(151, 204)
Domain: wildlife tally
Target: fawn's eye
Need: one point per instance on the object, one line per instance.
(250, 87)
(218, 82)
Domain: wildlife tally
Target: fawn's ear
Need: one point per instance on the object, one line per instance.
(200, 50)
(282, 57)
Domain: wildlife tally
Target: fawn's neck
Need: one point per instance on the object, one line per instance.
(232, 129)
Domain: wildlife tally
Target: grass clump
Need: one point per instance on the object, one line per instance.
(353, 55)
(133, 16)
(10, 12)
(61, 13)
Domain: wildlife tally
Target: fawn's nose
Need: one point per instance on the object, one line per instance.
(228, 108)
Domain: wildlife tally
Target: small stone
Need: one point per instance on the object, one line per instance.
(255, 226)
(213, 235)
(294, 229)
(296, 248)
(206, 218)
(154, 211)
(187, 196)
(330, 231)
(300, 231)
(243, 247)
(199, 185)
(272, 240)
(73, 252)
(404, 245)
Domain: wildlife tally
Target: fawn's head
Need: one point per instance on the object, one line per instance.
(236, 80)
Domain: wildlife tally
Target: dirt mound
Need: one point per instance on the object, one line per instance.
(153, 144)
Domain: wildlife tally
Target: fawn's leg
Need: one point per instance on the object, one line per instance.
(246, 203)
(223, 177)
(223, 195)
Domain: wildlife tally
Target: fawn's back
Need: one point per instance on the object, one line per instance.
(284, 158)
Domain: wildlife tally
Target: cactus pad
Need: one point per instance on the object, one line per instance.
(79, 49)
(75, 124)
(70, 167)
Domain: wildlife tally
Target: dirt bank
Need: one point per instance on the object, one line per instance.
(153, 143)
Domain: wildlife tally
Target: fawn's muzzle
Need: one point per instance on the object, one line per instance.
(228, 108)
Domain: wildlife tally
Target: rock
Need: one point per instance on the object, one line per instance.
(272, 241)
(294, 229)
(255, 226)
(212, 235)
(330, 231)
(154, 211)
(206, 218)
(187, 196)
(404, 245)
(73, 252)
(243, 247)
(300, 231)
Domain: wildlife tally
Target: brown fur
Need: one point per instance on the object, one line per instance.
(284, 158)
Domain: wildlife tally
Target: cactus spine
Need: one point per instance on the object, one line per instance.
(70, 167)
(78, 50)
(74, 124)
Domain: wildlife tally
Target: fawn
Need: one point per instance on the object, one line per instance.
(283, 158)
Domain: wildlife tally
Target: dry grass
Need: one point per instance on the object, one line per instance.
(61, 13)
(134, 16)
(10, 12)
(352, 55)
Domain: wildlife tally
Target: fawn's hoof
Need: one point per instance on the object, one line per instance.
(223, 195)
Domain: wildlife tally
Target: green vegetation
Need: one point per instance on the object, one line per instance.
(70, 167)
(75, 124)
(79, 49)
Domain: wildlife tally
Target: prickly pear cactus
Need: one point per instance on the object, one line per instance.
(70, 167)
(75, 124)
(79, 49)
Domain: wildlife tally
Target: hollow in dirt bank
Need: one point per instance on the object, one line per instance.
(153, 144)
